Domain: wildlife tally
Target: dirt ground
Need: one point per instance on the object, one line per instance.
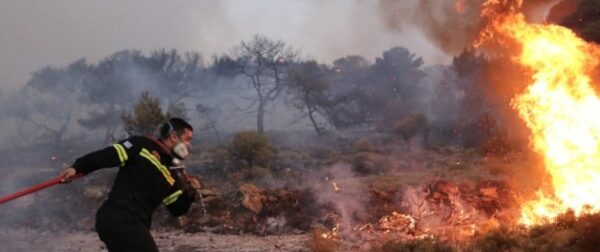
(175, 241)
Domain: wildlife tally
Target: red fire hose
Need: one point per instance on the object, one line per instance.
(34, 188)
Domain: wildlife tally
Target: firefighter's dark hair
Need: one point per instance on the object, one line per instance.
(176, 125)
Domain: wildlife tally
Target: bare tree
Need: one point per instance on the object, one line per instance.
(179, 76)
(108, 92)
(266, 63)
(210, 117)
(48, 103)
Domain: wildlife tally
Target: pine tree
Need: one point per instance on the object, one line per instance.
(145, 118)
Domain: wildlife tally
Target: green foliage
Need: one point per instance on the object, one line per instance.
(397, 72)
(249, 149)
(145, 118)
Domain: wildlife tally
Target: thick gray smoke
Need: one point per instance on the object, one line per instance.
(450, 25)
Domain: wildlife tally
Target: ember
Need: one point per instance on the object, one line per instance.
(441, 210)
(335, 186)
(397, 222)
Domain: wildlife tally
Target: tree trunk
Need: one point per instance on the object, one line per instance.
(213, 125)
(314, 122)
(217, 133)
(260, 117)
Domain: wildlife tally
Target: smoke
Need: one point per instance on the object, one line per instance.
(450, 25)
(439, 97)
(37, 34)
(338, 187)
(434, 30)
(438, 20)
(454, 27)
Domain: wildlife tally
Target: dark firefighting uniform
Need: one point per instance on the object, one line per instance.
(143, 182)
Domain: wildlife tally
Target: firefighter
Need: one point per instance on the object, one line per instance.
(145, 179)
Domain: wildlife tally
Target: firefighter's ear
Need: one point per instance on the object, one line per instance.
(173, 137)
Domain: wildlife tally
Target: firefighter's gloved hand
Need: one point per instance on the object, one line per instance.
(67, 175)
(190, 192)
(186, 184)
(194, 183)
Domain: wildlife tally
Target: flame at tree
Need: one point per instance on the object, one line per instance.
(559, 106)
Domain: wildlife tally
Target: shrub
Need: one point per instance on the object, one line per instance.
(410, 126)
(249, 149)
(369, 163)
(256, 172)
(362, 144)
(502, 239)
(588, 230)
(320, 152)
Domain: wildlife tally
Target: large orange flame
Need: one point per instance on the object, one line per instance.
(559, 106)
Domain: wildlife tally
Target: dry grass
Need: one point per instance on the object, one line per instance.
(566, 234)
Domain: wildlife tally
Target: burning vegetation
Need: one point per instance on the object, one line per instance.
(557, 102)
(558, 106)
(496, 152)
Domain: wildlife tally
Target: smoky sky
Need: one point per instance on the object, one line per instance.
(34, 34)
(449, 27)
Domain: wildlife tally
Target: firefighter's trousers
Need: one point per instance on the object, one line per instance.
(121, 230)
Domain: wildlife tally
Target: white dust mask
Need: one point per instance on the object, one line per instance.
(181, 151)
